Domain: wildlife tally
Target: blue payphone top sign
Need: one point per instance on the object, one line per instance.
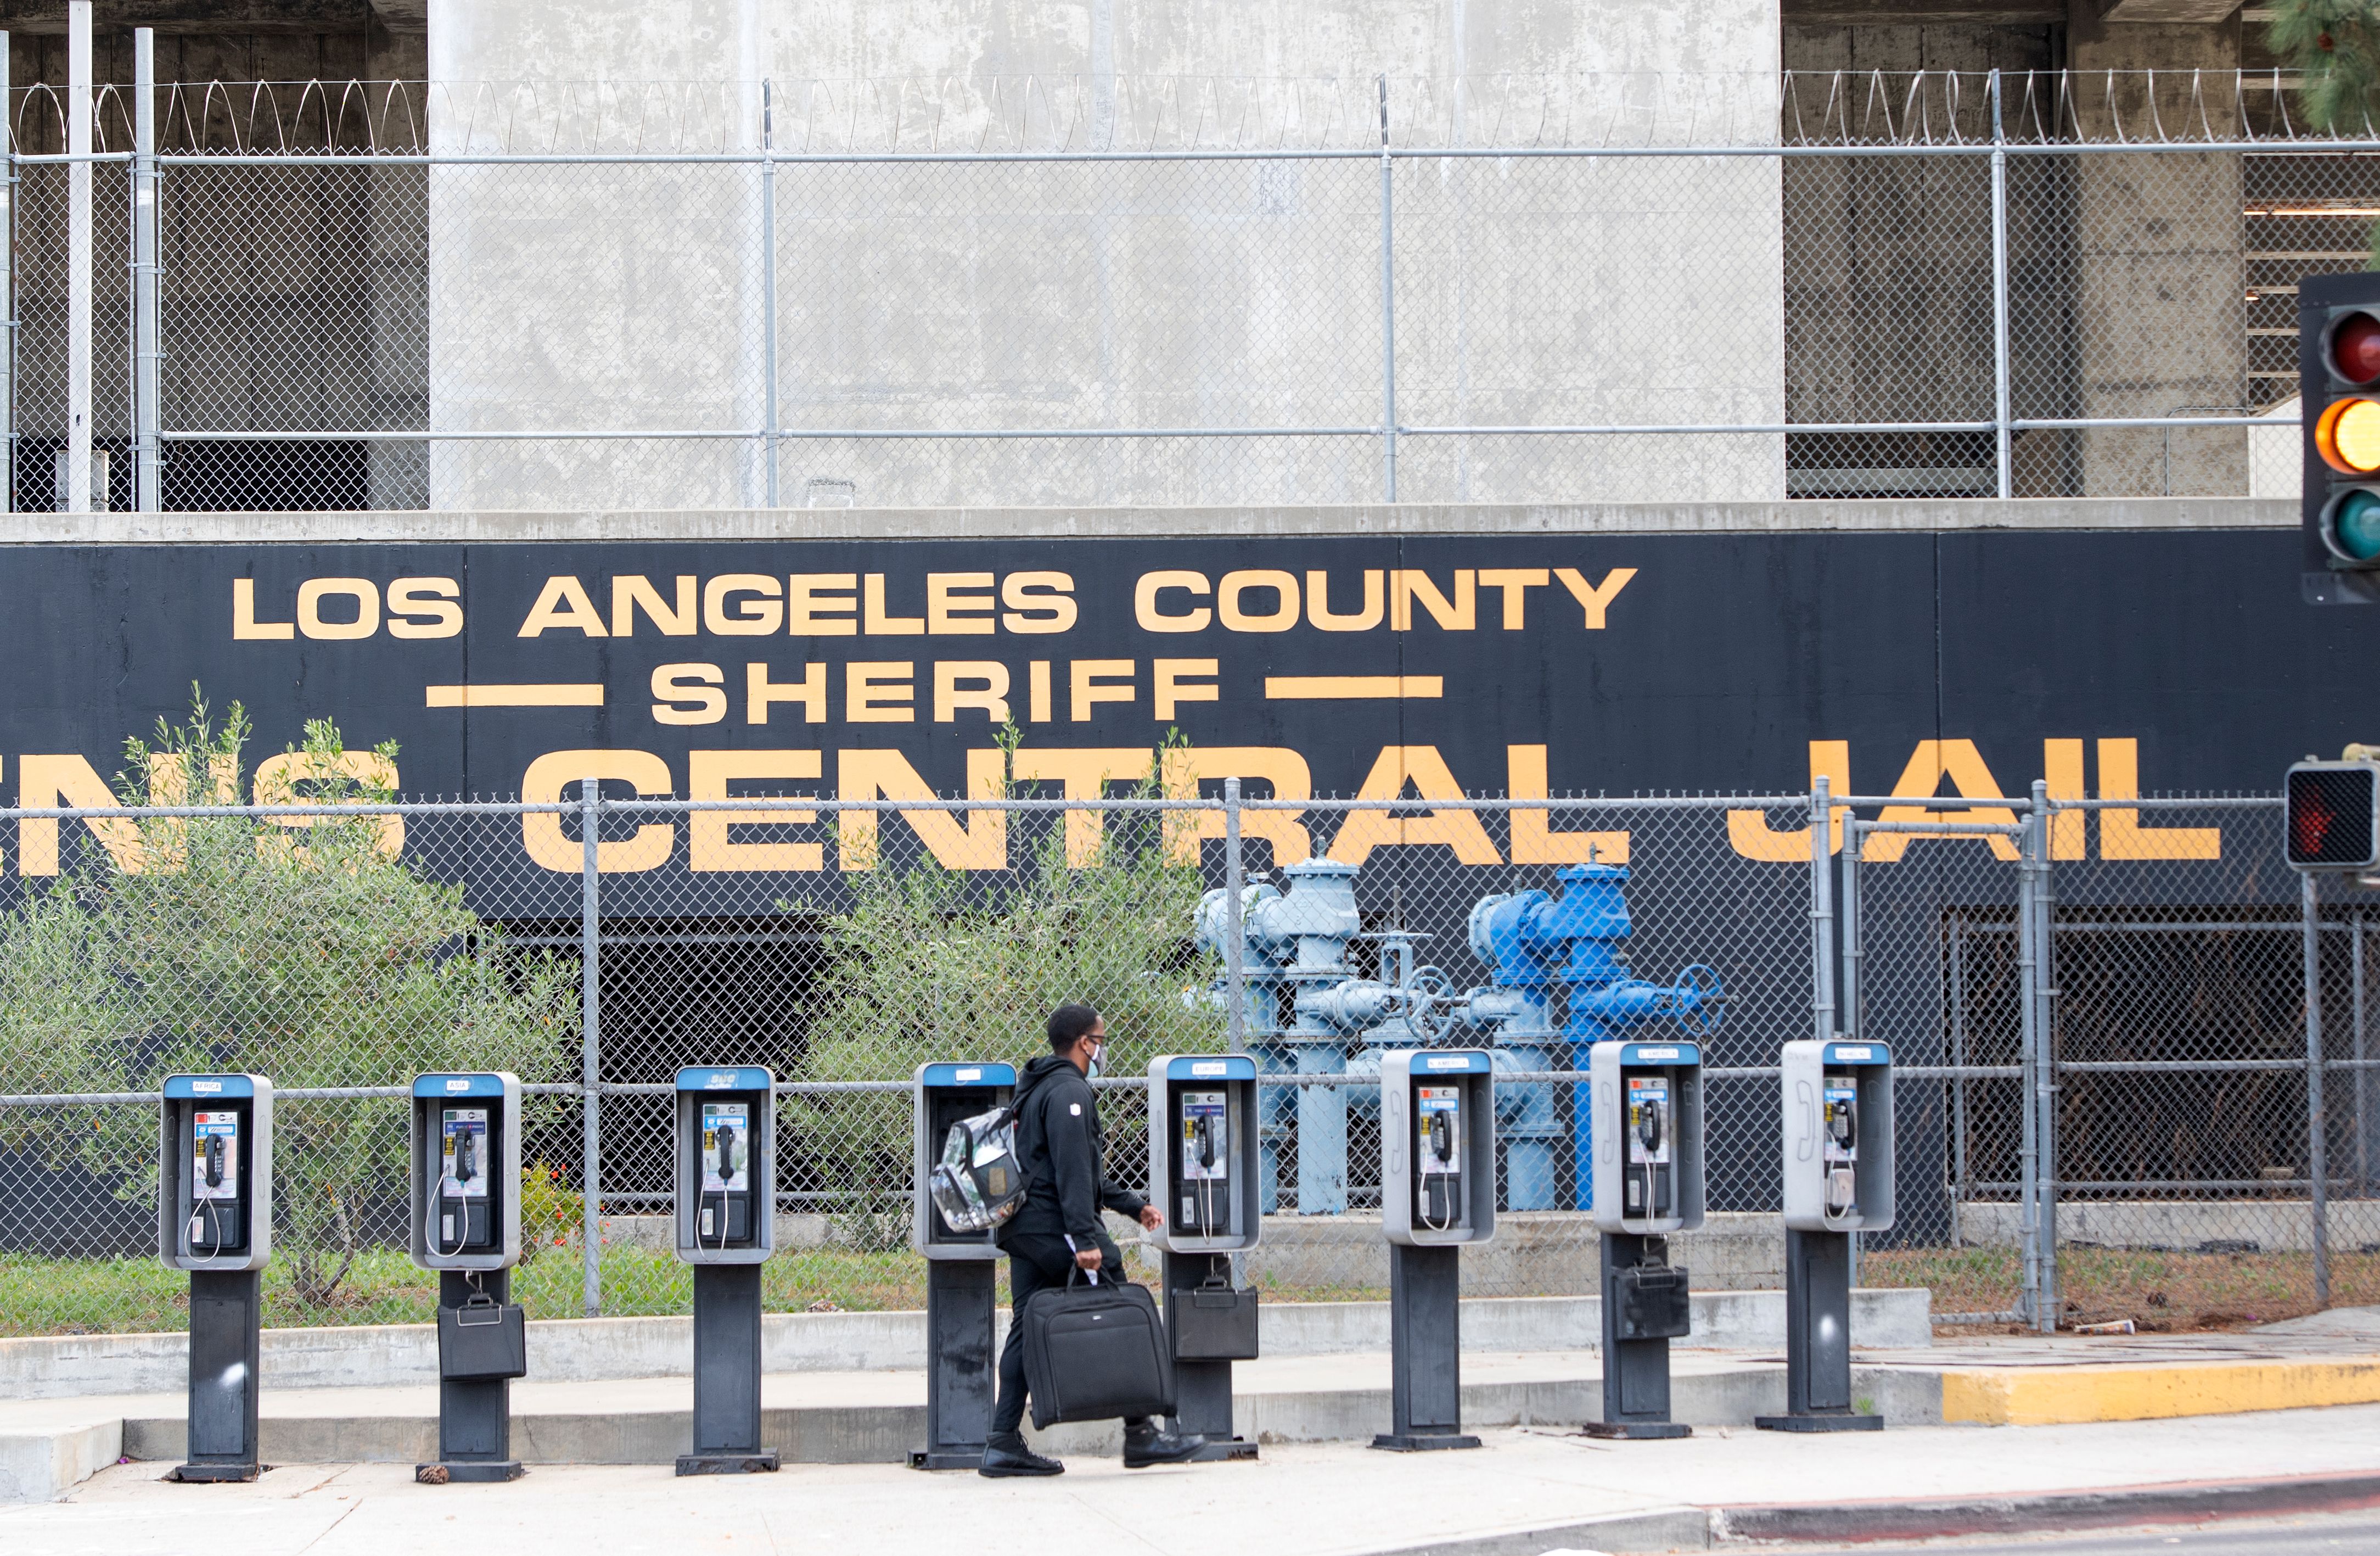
(1221, 1066)
(967, 1074)
(724, 1078)
(208, 1087)
(1858, 1053)
(1660, 1053)
(1463, 1060)
(481, 1085)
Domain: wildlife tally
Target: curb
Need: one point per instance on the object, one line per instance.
(1665, 1528)
(2184, 1501)
(2040, 1396)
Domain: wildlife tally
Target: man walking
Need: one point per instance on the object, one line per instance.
(1060, 1148)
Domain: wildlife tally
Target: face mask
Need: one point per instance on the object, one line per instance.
(1097, 1054)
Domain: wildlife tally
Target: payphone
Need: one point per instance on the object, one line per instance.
(960, 1298)
(726, 1199)
(1838, 1181)
(464, 1200)
(1205, 1166)
(1647, 1131)
(214, 1220)
(1437, 1193)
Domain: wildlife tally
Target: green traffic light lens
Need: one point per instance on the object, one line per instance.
(2355, 525)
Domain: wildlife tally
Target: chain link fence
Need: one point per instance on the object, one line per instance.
(1125, 292)
(2108, 1117)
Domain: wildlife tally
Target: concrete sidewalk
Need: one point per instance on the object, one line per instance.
(1526, 1492)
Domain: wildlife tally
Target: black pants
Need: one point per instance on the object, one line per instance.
(1035, 1261)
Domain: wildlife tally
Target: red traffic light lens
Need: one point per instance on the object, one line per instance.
(2355, 348)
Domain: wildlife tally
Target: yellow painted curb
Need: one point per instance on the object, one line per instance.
(2037, 1396)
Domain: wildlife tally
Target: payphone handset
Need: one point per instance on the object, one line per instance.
(943, 1094)
(1203, 1151)
(466, 1197)
(1438, 1147)
(1647, 1136)
(1838, 1118)
(215, 1191)
(726, 1150)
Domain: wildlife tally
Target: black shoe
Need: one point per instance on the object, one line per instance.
(1142, 1449)
(1004, 1457)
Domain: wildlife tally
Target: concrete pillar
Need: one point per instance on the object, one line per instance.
(2159, 265)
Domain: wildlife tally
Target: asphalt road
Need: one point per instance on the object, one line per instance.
(2335, 1532)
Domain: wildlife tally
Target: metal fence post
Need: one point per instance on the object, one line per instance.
(2044, 997)
(1388, 298)
(2001, 397)
(2317, 1131)
(2028, 954)
(78, 280)
(590, 1031)
(8, 330)
(1234, 878)
(2363, 1075)
(1822, 911)
(769, 292)
(148, 462)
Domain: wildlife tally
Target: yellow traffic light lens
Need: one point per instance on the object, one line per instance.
(2349, 436)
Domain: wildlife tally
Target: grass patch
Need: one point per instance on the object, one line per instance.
(2163, 1293)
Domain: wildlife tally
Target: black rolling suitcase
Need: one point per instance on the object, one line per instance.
(1095, 1352)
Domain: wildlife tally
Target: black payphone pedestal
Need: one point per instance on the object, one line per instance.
(961, 1309)
(1643, 1304)
(475, 1415)
(727, 1374)
(1205, 1316)
(1425, 1351)
(225, 1314)
(1818, 1338)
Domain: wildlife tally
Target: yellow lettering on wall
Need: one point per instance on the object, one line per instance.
(2061, 769)
(1514, 583)
(1595, 598)
(708, 844)
(2121, 836)
(1085, 774)
(278, 778)
(363, 591)
(1152, 619)
(563, 602)
(1281, 586)
(426, 597)
(1458, 614)
(245, 628)
(1422, 767)
(1749, 834)
(1534, 841)
(632, 592)
(759, 693)
(1036, 684)
(879, 691)
(987, 690)
(979, 843)
(699, 685)
(1317, 603)
(814, 601)
(1038, 602)
(874, 622)
(45, 783)
(550, 774)
(1284, 770)
(742, 605)
(1168, 688)
(952, 612)
(1096, 681)
(1932, 761)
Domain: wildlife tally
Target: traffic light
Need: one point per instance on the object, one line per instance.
(2332, 816)
(2338, 381)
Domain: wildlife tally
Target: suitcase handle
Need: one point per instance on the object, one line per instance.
(1074, 1270)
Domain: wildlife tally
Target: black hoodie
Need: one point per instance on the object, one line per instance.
(1062, 1148)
